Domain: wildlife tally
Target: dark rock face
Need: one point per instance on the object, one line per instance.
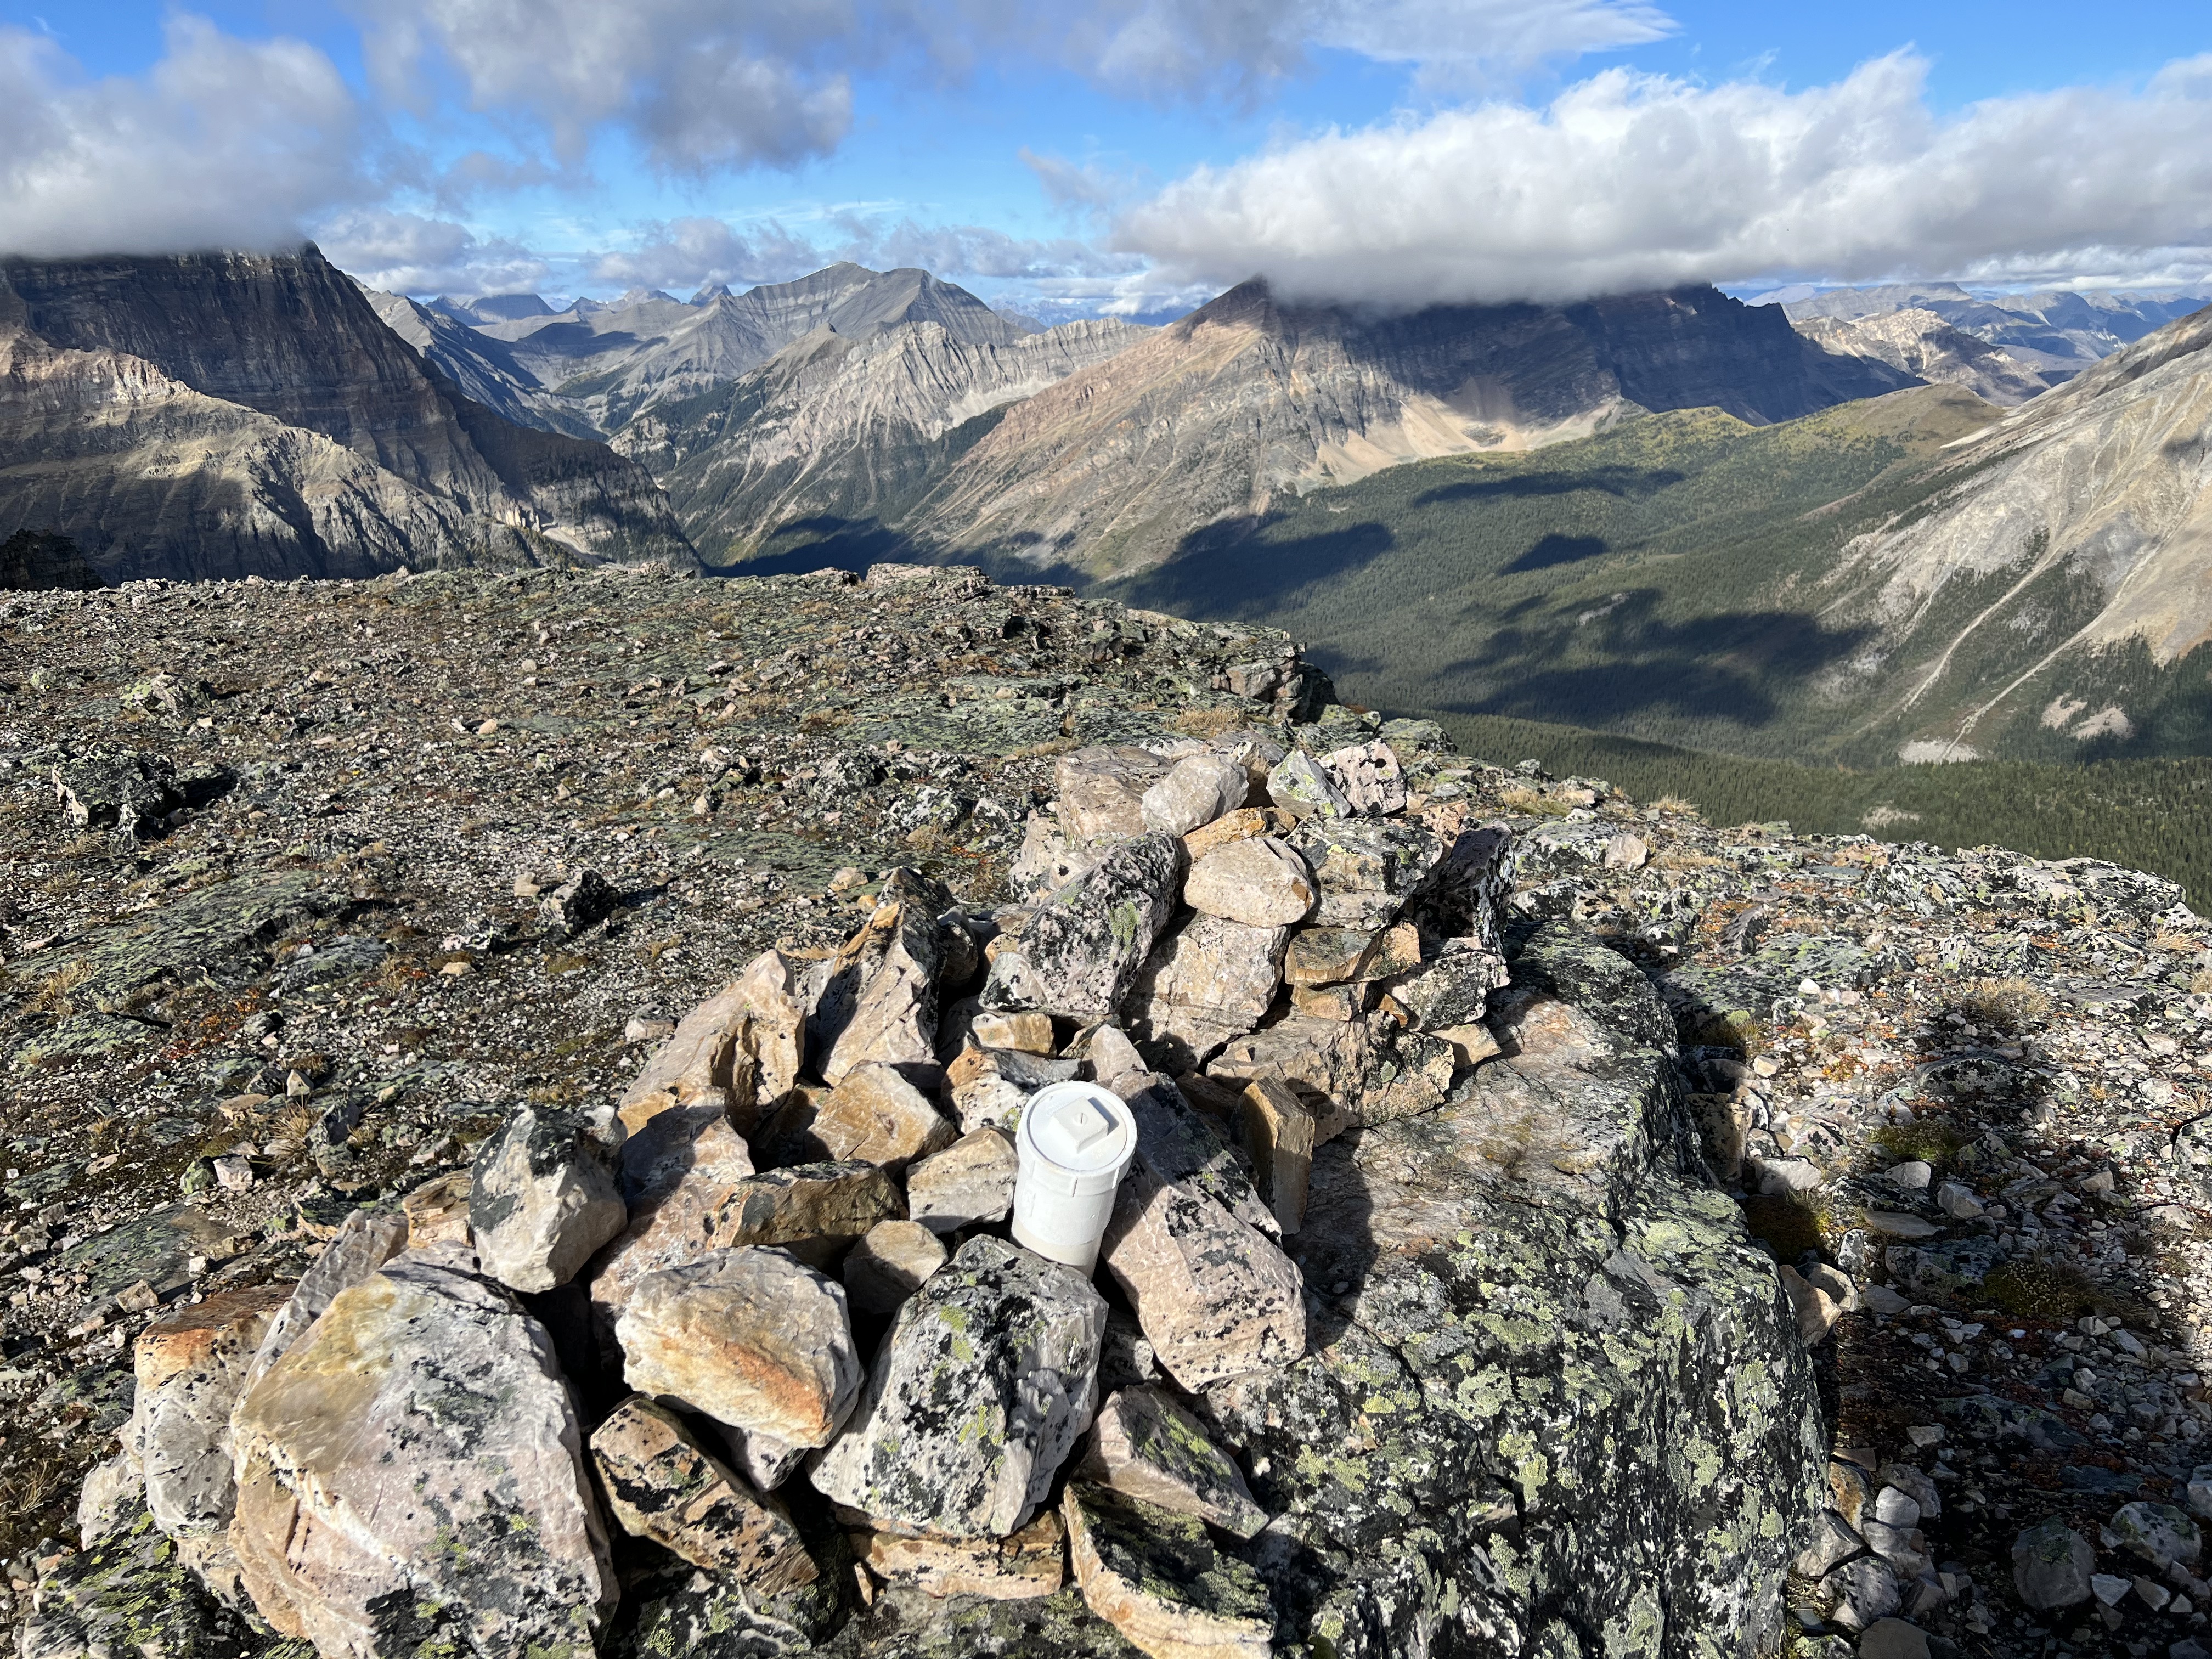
(29, 559)
(233, 414)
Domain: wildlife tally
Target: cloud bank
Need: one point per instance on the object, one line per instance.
(1627, 181)
(223, 144)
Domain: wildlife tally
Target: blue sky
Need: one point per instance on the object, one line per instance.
(1124, 155)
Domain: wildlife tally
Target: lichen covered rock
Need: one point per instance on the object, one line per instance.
(981, 1389)
(1082, 949)
(543, 1195)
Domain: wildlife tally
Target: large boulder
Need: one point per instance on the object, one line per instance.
(411, 1478)
(1099, 793)
(987, 1381)
(543, 1195)
(1081, 951)
(741, 1048)
(662, 1485)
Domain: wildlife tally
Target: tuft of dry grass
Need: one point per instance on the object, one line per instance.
(52, 996)
(2010, 1004)
(1521, 798)
(1210, 722)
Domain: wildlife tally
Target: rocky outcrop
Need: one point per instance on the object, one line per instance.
(1116, 468)
(230, 415)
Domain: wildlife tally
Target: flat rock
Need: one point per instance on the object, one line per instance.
(1245, 822)
(1145, 1445)
(750, 1337)
(1156, 1577)
(987, 1381)
(1279, 1133)
(2051, 1566)
(1178, 1142)
(412, 1471)
(1257, 880)
(1216, 1298)
(970, 1182)
(364, 1242)
(890, 1264)
(543, 1195)
(1204, 983)
(661, 1485)
(1197, 790)
(1029, 1563)
(1450, 986)
(1079, 954)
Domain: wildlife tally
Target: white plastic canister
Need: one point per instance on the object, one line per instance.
(1074, 1142)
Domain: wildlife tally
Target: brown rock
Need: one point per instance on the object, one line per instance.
(1099, 793)
(750, 1337)
(1026, 1033)
(1216, 1298)
(893, 1261)
(437, 1212)
(1156, 1577)
(879, 1001)
(815, 1211)
(1029, 1563)
(1338, 1002)
(874, 1116)
(745, 1043)
(364, 1243)
(1240, 826)
(1278, 1133)
(661, 1485)
(1470, 1044)
(970, 1181)
(676, 1144)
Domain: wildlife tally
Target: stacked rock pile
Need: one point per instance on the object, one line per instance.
(660, 1314)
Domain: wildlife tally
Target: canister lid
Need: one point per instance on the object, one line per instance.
(1078, 1127)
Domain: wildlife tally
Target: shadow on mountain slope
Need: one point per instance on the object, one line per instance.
(1624, 483)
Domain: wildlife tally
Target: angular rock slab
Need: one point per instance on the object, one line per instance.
(1353, 1073)
(1032, 1562)
(364, 1242)
(675, 1145)
(1367, 869)
(815, 1211)
(874, 1116)
(1299, 786)
(1258, 880)
(544, 1196)
(1099, 793)
(745, 1043)
(1368, 776)
(662, 1485)
(1156, 1577)
(1450, 987)
(1216, 1298)
(1208, 981)
(1196, 791)
(191, 1368)
(1080, 952)
(970, 1184)
(982, 1389)
(879, 998)
(1147, 1446)
(412, 1471)
(750, 1337)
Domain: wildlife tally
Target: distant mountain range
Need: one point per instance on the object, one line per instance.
(232, 415)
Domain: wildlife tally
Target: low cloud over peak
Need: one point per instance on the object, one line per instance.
(1626, 181)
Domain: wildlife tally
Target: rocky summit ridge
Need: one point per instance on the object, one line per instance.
(512, 1076)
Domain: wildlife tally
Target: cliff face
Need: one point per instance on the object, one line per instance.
(845, 427)
(1113, 468)
(1919, 342)
(228, 415)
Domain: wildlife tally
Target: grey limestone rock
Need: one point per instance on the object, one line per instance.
(2051, 1566)
(543, 1195)
(661, 1485)
(987, 1381)
(1367, 869)
(1204, 983)
(1368, 776)
(1082, 949)
(1199, 789)
(454, 1508)
(879, 1000)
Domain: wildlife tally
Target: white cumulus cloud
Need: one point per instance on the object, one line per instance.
(1626, 181)
(223, 144)
(410, 253)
